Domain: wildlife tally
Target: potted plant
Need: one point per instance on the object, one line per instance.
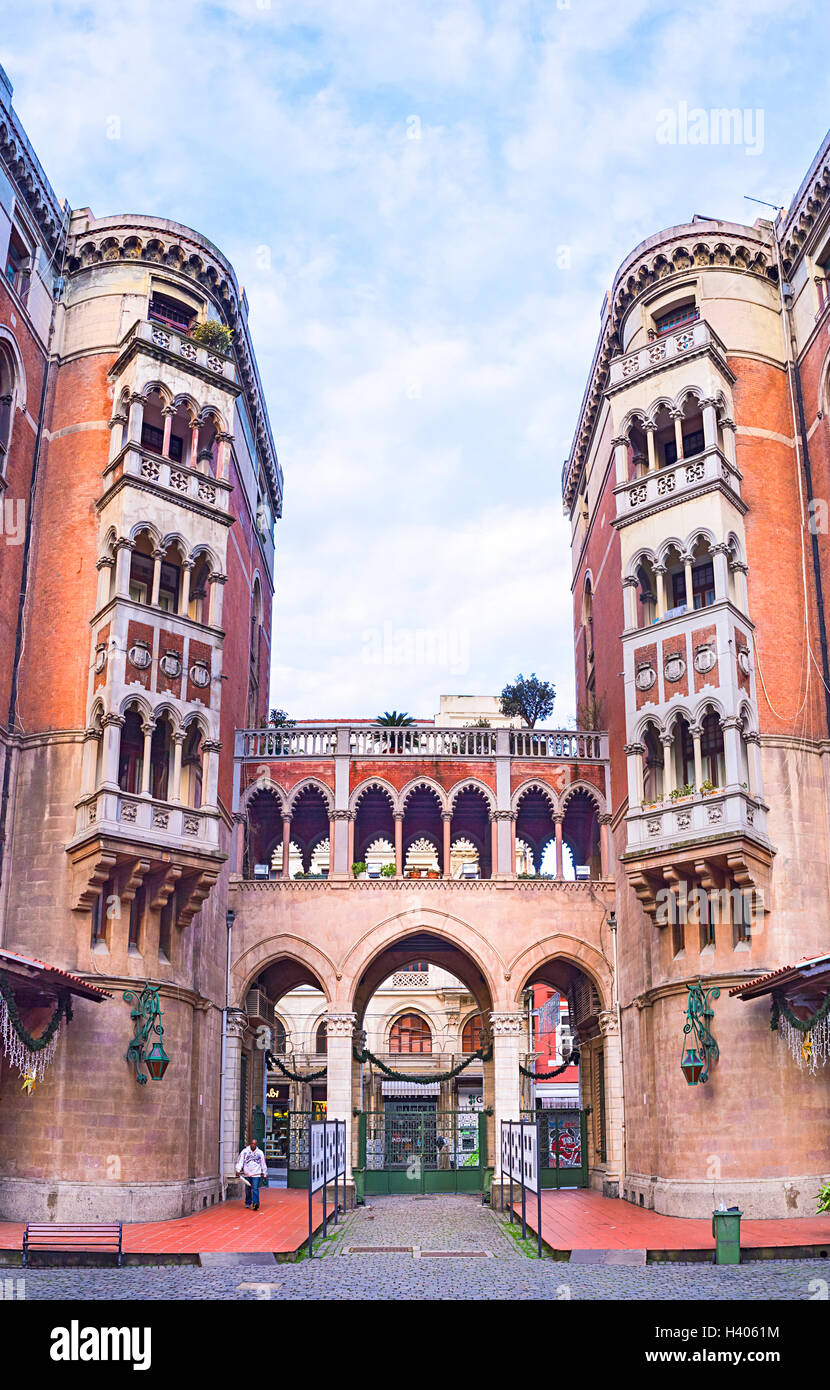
(214, 336)
(413, 873)
(433, 873)
(387, 871)
(707, 787)
(682, 793)
(360, 869)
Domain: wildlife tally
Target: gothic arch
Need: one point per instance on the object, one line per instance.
(425, 782)
(470, 783)
(533, 785)
(317, 785)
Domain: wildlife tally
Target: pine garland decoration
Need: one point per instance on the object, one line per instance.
(481, 1054)
(272, 1061)
(573, 1061)
(30, 1055)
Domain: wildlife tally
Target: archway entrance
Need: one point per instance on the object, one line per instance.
(426, 1065)
(566, 1091)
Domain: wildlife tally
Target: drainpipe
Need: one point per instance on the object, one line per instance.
(230, 917)
(612, 922)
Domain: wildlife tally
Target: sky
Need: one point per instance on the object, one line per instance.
(425, 201)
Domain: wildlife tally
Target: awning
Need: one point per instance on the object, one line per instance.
(812, 970)
(410, 1088)
(48, 978)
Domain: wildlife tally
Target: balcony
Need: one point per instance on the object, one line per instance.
(175, 481)
(143, 818)
(680, 344)
(728, 811)
(370, 741)
(678, 482)
(176, 345)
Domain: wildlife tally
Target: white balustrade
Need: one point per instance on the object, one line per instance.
(675, 480)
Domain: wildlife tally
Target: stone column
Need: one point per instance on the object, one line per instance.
(560, 864)
(631, 586)
(605, 845)
(238, 853)
(678, 432)
(753, 752)
(494, 845)
(211, 749)
(667, 741)
(505, 865)
(339, 822)
(710, 424)
(614, 1116)
(508, 1032)
(113, 724)
(192, 458)
(217, 584)
(446, 818)
(687, 575)
(620, 446)
(733, 769)
(652, 450)
(350, 855)
(696, 731)
(123, 555)
(237, 1022)
(136, 420)
(740, 570)
(104, 567)
(158, 556)
(720, 562)
(90, 758)
(340, 1033)
(168, 411)
(398, 818)
(184, 599)
(116, 427)
(728, 428)
(223, 455)
(178, 744)
(634, 763)
(286, 846)
(147, 730)
(660, 577)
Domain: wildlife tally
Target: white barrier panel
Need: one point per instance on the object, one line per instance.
(505, 1148)
(530, 1156)
(516, 1152)
(341, 1149)
(317, 1173)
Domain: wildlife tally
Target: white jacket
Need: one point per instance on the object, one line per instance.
(251, 1163)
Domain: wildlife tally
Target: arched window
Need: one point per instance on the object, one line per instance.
(411, 1033)
(192, 767)
(7, 385)
(471, 1036)
(321, 1039)
(131, 753)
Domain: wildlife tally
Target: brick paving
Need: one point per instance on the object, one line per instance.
(436, 1223)
(588, 1221)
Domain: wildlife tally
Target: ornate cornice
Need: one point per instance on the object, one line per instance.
(675, 253)
(30, 181)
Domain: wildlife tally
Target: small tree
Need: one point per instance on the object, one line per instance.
(529, 698)
(278, 719)
(214, 336)
(390, 719)
(480, 723)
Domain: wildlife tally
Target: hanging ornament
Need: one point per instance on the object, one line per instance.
(807, 1047)
(808, 1039)
(30, 1056)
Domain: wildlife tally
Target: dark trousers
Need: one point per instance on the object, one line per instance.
(252, 1193)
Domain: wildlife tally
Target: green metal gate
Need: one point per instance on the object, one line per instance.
(410, 1149)
(563, 1144)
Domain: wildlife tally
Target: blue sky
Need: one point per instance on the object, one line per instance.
(426, 203)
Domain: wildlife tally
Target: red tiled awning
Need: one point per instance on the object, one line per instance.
(48, 977)
(812, 970)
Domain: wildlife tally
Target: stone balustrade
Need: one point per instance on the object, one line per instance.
(661, 486)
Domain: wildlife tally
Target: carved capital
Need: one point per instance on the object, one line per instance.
(341, 815)
(507, 1025)
(608, 1023)
(237, 1023)
(340, 1025)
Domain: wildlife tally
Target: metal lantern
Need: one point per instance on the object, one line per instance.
(701, 1048)
(147, 1018)
(156, 1061)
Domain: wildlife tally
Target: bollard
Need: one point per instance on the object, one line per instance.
(726, 1229)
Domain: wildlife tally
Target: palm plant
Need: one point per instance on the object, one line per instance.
(391, 719)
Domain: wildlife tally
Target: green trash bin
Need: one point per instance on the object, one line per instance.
(726, 1229)
(359, 1175)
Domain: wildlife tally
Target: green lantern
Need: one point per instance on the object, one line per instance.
(701, 1048)
(156, 1061)
(147, 1018)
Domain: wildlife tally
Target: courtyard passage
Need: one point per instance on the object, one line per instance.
(380, 1251)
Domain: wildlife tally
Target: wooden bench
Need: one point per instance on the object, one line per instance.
(43, 1235)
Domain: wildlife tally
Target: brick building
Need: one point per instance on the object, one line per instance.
(152, 825)
(699, 462)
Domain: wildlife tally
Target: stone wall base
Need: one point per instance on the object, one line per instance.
(758, 1198)
(24, 1199)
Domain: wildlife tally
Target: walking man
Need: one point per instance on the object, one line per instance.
(252, 1167)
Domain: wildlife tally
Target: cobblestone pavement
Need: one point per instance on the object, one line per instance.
(506, 1271)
